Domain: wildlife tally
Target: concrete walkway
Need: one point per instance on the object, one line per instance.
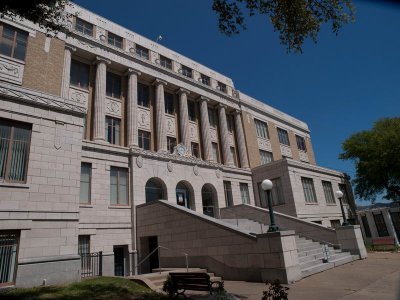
(377, 277)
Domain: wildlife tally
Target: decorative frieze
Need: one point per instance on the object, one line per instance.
(213, 134)
(78, 96)
(113, 107)
(286, 151)
(170, 125)
(264, 144)
(230, 139)
(304, 156)
(11, 70)
(143, 118)
(193, 132)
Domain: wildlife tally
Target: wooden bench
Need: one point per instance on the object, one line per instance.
(193, 281)
(384, 242)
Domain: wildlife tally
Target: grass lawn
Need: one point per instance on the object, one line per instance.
(108, 288)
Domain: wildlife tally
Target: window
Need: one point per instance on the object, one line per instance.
(171, 144)
(228, 193)
(83, 244)
(86, 176)
(343, 188)
(396, 221)
(261, 129)
(113, 85)
(15, 139)
(144, 139)
(9, 242)
(13, 41)
(380, 224)
(192, 111)
(301, 143)
(204, 79)
(169, 103)
(195, 150)
(222, 87)
(229, 123)
(328, 191)
(309, 191)
(215, 152)
(266, 157)
(142, 52)
(233, 153)
(114, 40)
(367, 230)
(154, 190)
(212, 117)
(276, 193)
(143, 95)
(186, 71)
(119, 186)
(79, 74)
(113, 126)
(283, 137)
(165, 62)
(244, 193)
(83, 27)
(335, 223)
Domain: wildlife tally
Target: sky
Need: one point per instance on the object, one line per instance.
(338, 86)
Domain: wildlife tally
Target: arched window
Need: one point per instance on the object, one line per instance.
(183, 195)
(154, 190)
(208, 196)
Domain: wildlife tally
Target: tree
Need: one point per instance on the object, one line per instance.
(376, 154)
(295, 20)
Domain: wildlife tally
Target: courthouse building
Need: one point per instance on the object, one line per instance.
(100, 120)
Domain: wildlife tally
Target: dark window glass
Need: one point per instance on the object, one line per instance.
(114, 40)
(83, 27)
(222, 87)
(154, 190)
(192, 110)
(212, 117)
(215, 152)
(165, 62)
(261, 129)
(195, 150)
(186, 71)
(283, 136)
(328, 191)
(171, 144)
(205, 79)
(207, 198)
(169, 103)
(143, 95)
(142, 52)
(380, 224)
(13, 41)
(113, 130)
(83, 244)
(301, 143)
(118, 186)
(86, 174)
(228, 193)
(244, 193)
(113, 85)
(144, 139)
(79, 75)
(367, 230)
(9, 242)
(309, 190)
(229, 122)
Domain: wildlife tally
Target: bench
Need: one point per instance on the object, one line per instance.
(383, 243)
(193, 281)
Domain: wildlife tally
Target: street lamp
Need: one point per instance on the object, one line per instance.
(266, 185)
(339, 195)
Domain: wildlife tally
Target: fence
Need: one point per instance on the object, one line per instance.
(91, 264)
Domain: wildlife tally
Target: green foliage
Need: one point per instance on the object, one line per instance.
(295, 20)
(376, 154)
(168, 287)
(220, 293)
(275, 291)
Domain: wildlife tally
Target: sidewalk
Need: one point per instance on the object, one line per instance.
(377, 277)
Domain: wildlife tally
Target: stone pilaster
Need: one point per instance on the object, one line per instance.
(132, 130)
(100, 99)
(205, 129)
(66, 71)
(160, 116)
(244, 162)
(223, 127)
(184, 118)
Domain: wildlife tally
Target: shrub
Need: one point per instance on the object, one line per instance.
(275, 291)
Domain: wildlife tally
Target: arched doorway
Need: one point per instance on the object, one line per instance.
(155, 189)
(185, 195)
(209, 199)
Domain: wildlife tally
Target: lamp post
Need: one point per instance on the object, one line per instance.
(339, 195)
(266, 185)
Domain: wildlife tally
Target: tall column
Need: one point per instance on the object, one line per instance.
(160, 116)
(205, 129)
(66, 71)
(132, 131)
(184, 118)
(223, 127)
(100, 99)
(244, 162)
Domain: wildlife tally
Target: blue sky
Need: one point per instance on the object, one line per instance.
(338, 86)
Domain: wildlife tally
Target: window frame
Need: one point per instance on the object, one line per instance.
(204, 79)
(310, 195)
(283, 136)
(195, 145)
(261, 129)
(115, 90)
(142, 52)
(212, 117)
(169, 103)
(222, 87)
(244, 192)
(116, 39)
(301, 143)
(328, 192)
(166, 62)
(141, 95)
(186, 71)
(118, 170)
(171, 144)
(263, 161)
(192, 109)
(84, 26)
(15, 40)
(216, 148)
(228, 193)
(80, 67)
(89, 200)
(114, 121)
(142, 135)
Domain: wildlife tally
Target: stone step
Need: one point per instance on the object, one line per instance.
(311, 263)
(316, 269)
(306, 247)
(307, 258)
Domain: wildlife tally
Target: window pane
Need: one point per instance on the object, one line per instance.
(19, 155)
(5, 132)
(79, 75)
(283, 137)
(244, 191)
(143, 95)
(266, 157)
(86, 170)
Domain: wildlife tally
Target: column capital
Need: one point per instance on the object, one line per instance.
(221, 105)
(132, 71)
(203, 98)
(237, 111)
(182, 91)
(158, 81)
(70, 48)
(100, 59)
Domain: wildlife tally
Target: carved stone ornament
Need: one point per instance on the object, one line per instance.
(181, 149)
(196, 170)
(218, 173)
(170, 125)
(139, 161)
(103, 38)
(170, 166)
(78, 96)
(213, 134)
(144, 119)
(113, 107)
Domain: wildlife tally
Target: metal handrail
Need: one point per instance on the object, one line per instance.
(320, 241)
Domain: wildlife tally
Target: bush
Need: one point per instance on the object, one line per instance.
(275, 291)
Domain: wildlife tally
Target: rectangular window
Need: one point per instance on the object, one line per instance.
(367, 230)
(83, 27)
(169, 103)
(171, 144)
(15, 140)
(343, 189)
(9, 242)
(144, 139)
(114, 40)
(380, 224)
(265, 157)
(192, 111)
(142, 52)
(328, 191)
(165, 62)
(228, 193)
(283, 136)
(335, 223)
(212, 117)
(79, 74)
(186, 71)
(113, 85)
(113, 130)
(205, 79)
(244, 193)
(301, 143)
(215, 152)
(13, 41)
(83, 244)
(85, 188)
(195, 150)
(222, 87)
(229, 123)
(395, 216)
(119, 186)
(309, 190)
(233, 153)
(143, 95)
(261, 129)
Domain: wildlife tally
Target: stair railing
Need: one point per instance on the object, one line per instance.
(325, 247)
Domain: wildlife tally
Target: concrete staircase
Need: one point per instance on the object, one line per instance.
(155, 280)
